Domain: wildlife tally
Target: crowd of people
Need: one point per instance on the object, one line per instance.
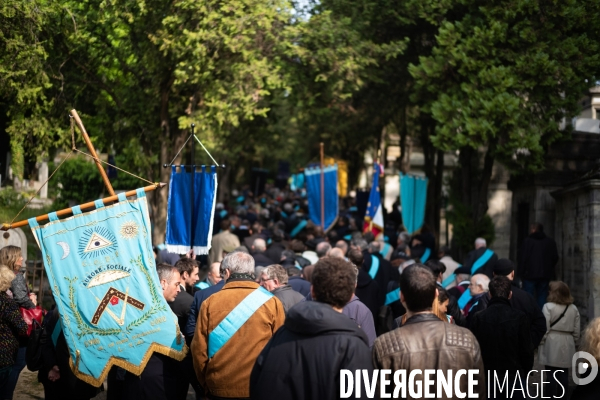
(279, 307)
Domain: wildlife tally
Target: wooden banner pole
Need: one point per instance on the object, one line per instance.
(322, 187)
(92, 150)
(85, 206)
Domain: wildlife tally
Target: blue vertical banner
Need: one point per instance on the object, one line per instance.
(413, 198)
(313, 189)
(184, 230)
(102, 273)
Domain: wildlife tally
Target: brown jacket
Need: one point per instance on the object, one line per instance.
(426, 342)
(227, 374)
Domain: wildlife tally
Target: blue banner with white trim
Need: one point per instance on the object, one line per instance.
(184, 229)
(313, 188)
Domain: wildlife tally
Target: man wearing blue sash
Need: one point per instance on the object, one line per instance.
(481, 260)
(233, 326)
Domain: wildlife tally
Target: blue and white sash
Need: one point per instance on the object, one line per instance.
(235, 319)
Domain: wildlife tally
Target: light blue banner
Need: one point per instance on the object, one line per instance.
(101, 269)
(413, 198)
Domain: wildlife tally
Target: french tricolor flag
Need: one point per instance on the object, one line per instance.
(374, 214)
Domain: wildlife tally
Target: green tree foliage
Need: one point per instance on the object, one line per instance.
(79, 182)
(501, 79)
(25, 78)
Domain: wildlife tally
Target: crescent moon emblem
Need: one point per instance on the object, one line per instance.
(66, 249)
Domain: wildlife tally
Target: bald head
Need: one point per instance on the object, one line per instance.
(480, 242)
(214, 274)
(259, 245)
(341, 244)
(322, 249)
(336, 252)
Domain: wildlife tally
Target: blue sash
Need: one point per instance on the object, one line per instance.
(392, 297)
(426, 255)
(374, 266)
(464, 298)
(301, 225)
(450, 279)
(202, 285)
(385, 250)
(56, 332)
(485, 257)
(235, 319)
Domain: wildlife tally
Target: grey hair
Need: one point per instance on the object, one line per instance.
(480, 242)
(259, 244)
(322, 249)
(165, 271)
(404, 236)
(374, 247)
(360, 243)
(239, 263)
(276, 271)
(483, 281)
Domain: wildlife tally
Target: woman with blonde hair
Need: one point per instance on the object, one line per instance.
(12, 257)
(11, 327)
(590, 343)
(562, 324)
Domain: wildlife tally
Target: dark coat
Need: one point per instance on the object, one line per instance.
(12, 327)
(383, 273)
(504, 339)
(199, 297)
(523, 301)
(300, 285)
(181, 307)
(367, 291)
(68, 386)
(587, 392)
(538, 257)
(274, 252)
(361, 315)
(487, 268)
(304, 358)
(262, 260)
(288, 296)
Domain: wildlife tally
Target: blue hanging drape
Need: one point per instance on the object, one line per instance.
(413, 197)
(313, 189)
(183, 231)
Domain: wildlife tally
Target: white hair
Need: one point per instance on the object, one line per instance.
(239, 263)
(482, 280)
(480, 242)
(259, 244)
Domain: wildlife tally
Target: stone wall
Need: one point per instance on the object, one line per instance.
(578, 240)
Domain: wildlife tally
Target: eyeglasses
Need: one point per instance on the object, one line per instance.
(265, 280)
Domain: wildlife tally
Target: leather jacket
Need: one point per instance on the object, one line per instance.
(426, 342)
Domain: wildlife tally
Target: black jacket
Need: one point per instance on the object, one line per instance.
(503, 336)
(538, 257)
(383, 275)
(523, 301)
(262, 260)
(367, 290)
(304, 358)
(487, 268)
(68, 386)
(274, 252)
(181, 307)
